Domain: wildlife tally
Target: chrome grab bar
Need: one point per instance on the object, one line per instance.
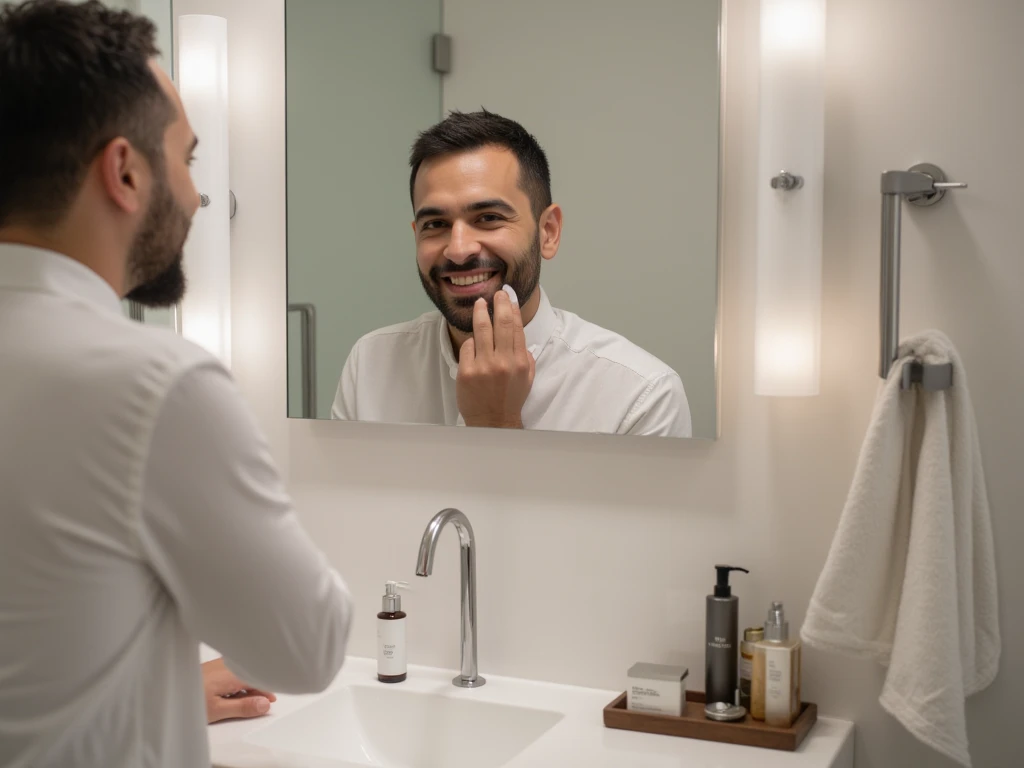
(308, 336)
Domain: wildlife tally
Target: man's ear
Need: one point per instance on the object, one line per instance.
(123, 174)
(550, 230)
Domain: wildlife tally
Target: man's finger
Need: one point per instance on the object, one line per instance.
(533, 366)
(504, 325)
(251, 692)
(467, 355)
(518, 332)
(246, 706)
(483, 333)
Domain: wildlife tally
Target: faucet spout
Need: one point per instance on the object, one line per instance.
(425, 566)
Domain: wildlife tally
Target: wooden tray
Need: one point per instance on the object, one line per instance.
(694, 725)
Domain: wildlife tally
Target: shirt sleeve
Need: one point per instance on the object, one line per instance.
(344, 408)
(661, 411)
(219, 530)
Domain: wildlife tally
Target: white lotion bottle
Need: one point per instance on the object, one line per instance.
(391, 650)
(782, 678)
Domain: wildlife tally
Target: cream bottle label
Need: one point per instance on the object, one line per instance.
(746, 675)
(778, 687)
(746, 666)
(391, 647)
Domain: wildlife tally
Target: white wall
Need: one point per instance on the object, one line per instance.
(597, 552)
(623, 96)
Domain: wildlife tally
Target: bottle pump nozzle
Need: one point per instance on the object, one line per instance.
(722, 588)
(392, 601)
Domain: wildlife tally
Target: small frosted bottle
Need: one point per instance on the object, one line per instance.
(391, 651)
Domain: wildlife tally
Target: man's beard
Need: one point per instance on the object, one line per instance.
(524, 278)
(155, 261)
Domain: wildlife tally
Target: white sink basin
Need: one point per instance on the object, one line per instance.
(508, 723)
(387, 727)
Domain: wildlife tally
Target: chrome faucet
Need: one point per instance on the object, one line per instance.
(425, 565)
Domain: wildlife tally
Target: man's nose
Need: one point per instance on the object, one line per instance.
(462, 245)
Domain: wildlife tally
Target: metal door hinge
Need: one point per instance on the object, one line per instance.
(442, 50)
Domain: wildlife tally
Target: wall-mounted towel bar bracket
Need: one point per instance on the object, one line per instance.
(924, 184)
(931, 377)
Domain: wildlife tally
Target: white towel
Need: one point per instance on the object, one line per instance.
(910, 579)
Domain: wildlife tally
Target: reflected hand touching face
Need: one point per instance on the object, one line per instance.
(496, 370)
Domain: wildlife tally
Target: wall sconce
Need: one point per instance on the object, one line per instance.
(203, 84)
(790, 181)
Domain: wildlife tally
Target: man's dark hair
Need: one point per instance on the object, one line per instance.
(466, 131)
(72, 79)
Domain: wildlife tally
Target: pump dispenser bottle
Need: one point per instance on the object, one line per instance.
(721, 663)
(391, 653)
(775, 692)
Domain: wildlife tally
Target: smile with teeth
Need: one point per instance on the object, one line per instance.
(471, 280)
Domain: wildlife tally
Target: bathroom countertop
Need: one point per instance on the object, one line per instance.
(579, 739)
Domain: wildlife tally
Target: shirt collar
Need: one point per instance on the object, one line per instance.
(26, 268)
(538, 332)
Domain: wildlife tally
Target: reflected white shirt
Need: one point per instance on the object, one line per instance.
(588, 379)
(141, 513)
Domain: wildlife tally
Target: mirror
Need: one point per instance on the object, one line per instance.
(619, 273)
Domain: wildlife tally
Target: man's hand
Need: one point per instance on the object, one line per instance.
(495, 368)
(228, 697)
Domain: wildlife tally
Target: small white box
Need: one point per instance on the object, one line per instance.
(658, 689)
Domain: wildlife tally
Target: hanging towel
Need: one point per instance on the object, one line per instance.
(910, 579)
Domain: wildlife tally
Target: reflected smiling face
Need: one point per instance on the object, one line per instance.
(475, 232)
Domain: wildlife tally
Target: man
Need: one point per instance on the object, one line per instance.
(484, 219)
(140, 510)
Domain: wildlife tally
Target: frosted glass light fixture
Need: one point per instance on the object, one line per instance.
(203, 84)
(790, 181)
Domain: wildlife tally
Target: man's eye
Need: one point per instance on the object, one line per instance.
(435, 224)
(490, 218)
(192, 160)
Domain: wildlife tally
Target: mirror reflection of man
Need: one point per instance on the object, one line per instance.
(484, 219)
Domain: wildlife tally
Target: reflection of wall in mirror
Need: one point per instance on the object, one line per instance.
(624, 99)
(360, 86)
(159, 11)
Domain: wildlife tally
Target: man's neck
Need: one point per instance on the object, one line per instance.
(528, 311)
(60, 242)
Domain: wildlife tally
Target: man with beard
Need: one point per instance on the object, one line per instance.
(488, 357)
(140, 510)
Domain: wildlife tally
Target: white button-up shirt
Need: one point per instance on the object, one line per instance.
(588, 379)
(140, 513)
